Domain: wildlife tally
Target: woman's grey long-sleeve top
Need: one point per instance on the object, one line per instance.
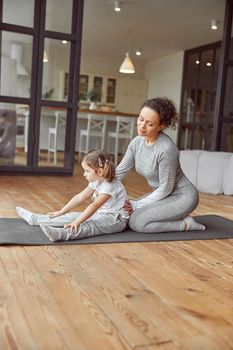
(158, 163)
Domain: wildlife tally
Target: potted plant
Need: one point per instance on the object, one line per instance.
(93, 96)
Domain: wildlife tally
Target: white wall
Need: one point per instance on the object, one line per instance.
(131, 89)
(165, 79)
(131, 93)
(159, 77)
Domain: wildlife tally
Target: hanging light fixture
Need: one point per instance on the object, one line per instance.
(214, 24)
(127, 65)
(45, 57)
(117, 6)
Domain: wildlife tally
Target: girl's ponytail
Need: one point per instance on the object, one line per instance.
(109, 170)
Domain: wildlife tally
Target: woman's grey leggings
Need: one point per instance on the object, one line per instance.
(97, 224)
(166, 215)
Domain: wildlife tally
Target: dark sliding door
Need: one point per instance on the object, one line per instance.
(206, 113)
(40, 43)
(201, 66)
(223, 131)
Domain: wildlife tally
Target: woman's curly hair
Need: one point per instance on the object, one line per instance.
(166, 110)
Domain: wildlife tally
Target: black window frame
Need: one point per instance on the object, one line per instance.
(35, 101)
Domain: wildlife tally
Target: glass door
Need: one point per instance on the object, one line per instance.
(40, 41)
(198, 97)
(15, 81)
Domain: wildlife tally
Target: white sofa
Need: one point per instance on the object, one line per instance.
(210, 172)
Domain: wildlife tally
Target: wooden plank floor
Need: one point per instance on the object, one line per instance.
(142, 296)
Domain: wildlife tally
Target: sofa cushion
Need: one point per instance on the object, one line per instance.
(211, 169)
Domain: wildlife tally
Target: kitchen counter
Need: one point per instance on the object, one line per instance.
(98, 111)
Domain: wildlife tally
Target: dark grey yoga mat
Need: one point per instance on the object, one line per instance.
(18, 232)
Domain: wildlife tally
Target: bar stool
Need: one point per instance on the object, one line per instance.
(22, 122)
(125, 127)
(26, 125)
(60, 120)
(96, 128)
(7, 136)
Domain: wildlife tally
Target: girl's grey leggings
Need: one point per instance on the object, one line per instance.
(97, 224)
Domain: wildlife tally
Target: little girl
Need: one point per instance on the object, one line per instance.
(104, 215)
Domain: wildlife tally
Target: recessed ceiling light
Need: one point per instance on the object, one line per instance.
(138, 52)
(64, 41)
(208, 64)
(197, 62)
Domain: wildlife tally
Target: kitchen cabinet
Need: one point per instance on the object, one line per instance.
(83, 86)
(106, 86)
(123, 93)
(111, 90)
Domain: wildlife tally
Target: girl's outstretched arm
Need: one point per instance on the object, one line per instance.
(76, 200)
(89, 211)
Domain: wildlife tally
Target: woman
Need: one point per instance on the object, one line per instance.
(155, 156)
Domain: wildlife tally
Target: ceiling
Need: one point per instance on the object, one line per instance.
(157, 27)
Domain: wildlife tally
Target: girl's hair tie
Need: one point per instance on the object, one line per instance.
(100, 163)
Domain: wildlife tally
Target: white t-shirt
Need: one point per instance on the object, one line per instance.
(115, 204)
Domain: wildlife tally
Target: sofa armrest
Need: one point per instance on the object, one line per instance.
(228, 177)
(211, 169)
(210, 172)
(189, 164)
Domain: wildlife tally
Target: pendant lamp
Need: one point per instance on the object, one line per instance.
(117, 6)
(45, 57)
(127, 65)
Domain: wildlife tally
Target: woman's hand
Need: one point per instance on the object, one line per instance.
(128, 207)
(54, 214)
(73, 226)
